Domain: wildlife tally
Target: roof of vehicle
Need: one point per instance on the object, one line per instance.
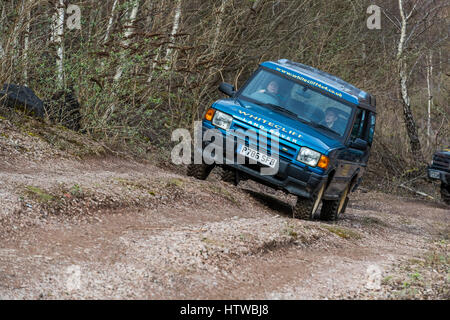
(323, 80)
(445, 152)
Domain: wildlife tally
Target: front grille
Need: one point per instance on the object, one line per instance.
(286, 150)
(441, 162)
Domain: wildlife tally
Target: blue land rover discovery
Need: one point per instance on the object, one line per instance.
(324, 126)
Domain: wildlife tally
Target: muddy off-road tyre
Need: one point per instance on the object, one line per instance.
(199, 171)
(63, 107)
(333, 209)
(445, 193)
(22, 98)
(228, 175)
(305, 208)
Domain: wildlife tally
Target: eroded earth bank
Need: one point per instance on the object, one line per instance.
(76, 225)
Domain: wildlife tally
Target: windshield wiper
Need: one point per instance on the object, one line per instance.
(295, 116)
(280, 108)
(321, 126)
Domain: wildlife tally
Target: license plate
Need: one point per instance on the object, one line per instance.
(258, 156)
(434, 174)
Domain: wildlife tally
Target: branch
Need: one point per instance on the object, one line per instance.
(412, 10)
(417, 192)
(421, 22)
(397, 25)
(386, 11)
(428, 47)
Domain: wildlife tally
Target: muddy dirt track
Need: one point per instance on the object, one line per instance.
(113, 228)
(110, 228)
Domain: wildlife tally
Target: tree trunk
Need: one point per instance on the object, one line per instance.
(125, 43)
(176, 25)
(128, 33)
(26, 46)
(111, 20)
(16, 33)
(57, 38)
(150, 16)
(2, 23)
(2, 51)
(411, 127)
(219, 24)
(430, 95)
(158, 17)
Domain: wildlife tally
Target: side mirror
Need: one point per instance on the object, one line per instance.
(227, 88)
(359, 144)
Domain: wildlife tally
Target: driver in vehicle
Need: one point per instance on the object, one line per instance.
(272, 88)
(268, 95)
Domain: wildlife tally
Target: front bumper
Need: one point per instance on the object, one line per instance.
(438, 175)
(289, 177)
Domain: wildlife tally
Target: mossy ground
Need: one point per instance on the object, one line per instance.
(343, 232)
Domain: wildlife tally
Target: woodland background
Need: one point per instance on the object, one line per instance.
(141, 68)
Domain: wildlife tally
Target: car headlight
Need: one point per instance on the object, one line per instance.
(222, 120)
(309, 157)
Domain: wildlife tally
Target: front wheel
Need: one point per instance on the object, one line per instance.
(332, 209)
(305, 208)
(199, 171)
(445, 193)
(229, 175)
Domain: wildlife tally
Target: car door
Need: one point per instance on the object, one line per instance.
(363, 129)
(351, 161)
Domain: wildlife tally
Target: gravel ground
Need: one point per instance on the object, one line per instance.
(102, 227)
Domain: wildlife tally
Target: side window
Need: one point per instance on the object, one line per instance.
(359, 124)
(371, 127)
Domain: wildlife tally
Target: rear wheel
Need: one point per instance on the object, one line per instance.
(332, 209)
(305, 208)
(445, 193)
(199, 171)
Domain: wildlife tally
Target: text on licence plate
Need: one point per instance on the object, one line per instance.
(258, 156)
(434, 174)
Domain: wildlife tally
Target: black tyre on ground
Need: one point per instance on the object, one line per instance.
(445, 193)
(332, 209)
(305, 208)
(199, 171)
(228, 175)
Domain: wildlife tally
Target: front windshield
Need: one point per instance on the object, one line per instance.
(285, 95)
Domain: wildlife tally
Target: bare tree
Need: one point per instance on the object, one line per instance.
(16, 32)
(414, 26)
(175, 26)
(430, 94)
(224, 40)
(111, 21)
(220, 17)
(129, 31)
(57, 37)
(411, 127)
(158, 53)
(26, 45)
